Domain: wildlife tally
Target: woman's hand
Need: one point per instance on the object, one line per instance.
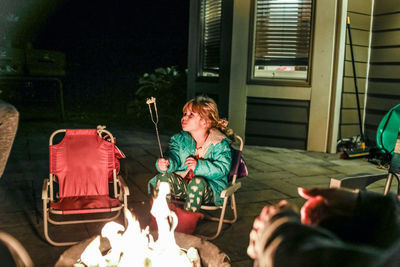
(163, 164)
(255, 248)
(191, 162)
(326, 202)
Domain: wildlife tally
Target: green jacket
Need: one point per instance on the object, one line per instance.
(214, 163)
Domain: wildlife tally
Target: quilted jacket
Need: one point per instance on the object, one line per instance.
(214, 161)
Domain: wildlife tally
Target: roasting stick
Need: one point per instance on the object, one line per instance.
(149, 101)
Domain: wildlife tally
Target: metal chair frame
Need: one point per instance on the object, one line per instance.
(225, 194)
(121, 192)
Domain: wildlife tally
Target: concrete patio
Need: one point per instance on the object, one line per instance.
(274, 174)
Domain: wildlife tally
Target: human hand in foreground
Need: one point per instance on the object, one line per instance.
(191, 162)
(163, 164)
(256, 248)
(326, 202)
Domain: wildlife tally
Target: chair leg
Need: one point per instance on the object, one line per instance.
(233, 206)
(388, 183)
(220, 222)
(46, 229)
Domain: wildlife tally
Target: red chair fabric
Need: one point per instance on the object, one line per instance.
(118, 155)
(88, 204)
(82, 162)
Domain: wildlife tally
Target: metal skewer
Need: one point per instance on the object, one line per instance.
(149, 101)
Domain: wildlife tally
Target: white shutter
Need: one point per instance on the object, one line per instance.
(282, 37)
(210, 37)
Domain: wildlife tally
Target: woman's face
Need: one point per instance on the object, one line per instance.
(191, 121)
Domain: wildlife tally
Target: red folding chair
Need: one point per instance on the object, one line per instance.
(81, 165)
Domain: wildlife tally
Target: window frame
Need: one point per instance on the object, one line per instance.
(251, 54)
(200, 47)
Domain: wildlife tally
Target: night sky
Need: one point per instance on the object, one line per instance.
(108, 44)
(117, 37)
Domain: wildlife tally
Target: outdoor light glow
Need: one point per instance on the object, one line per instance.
(136, 247)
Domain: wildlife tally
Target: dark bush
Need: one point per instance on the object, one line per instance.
(168, 86)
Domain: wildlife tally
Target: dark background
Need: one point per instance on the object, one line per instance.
(118, 38)
(108, 45)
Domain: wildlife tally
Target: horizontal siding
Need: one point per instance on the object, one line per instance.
(385, 38)
(360, 53)
(276, 129)
(359, 21)
(370, 134)
(359, 12)
(385, 55)
(361, 69)
(349, 87)
(385, 71)
(359, 37)
(347, 131)
(275, 142)
(350, 100)
(386, 6)
(360, 6)
(371, 123)
(350, 116)
(277, 122)
(386, 22)
(374, 118)
(383, 88)
(382, 103)
(278, 113)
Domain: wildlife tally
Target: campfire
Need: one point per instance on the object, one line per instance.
(136, 247)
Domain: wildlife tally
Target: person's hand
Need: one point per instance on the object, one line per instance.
(326, 202)
(191, 162)
(260, 224)
(163, 164)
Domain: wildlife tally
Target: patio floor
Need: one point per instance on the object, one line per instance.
(274, 174)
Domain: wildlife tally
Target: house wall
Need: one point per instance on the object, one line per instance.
(384, 74)
(359, 12)
(217, 88)
(266, 114)
(315, 98)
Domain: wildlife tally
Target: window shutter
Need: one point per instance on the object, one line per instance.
(211, 37)
(283, 32)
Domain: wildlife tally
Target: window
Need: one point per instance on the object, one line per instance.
(282, 37)
(210, 11)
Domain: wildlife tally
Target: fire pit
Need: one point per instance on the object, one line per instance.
(134, 246)
(210, 254)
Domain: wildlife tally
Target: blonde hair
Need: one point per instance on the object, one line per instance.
(208, 110)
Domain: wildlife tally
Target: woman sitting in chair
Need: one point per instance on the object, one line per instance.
(198, 162)
(335, 227)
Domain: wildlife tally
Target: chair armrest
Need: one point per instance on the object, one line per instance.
(231, 189)
(45, 189)
(124, 188)
(358, 181)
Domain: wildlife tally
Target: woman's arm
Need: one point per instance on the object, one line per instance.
(358, 217)
(174, 150)
(278, 238)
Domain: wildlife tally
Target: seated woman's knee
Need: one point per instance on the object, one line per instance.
(198, 181)
(161, 177)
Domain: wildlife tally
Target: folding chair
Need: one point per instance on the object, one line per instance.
(81, 164)
(229, 193)
(361, 181)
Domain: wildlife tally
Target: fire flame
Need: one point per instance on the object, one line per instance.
(136, 247)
